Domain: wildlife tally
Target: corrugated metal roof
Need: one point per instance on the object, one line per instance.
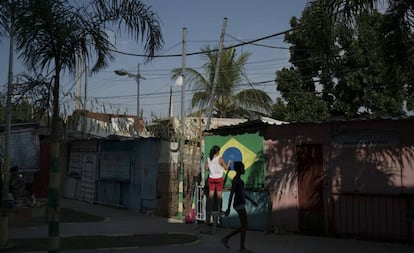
(343, 119)
(248, 125)
(262, 123)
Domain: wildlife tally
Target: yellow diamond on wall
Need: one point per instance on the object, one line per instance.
(248, 157)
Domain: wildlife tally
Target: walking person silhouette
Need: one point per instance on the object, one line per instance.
(239, 195)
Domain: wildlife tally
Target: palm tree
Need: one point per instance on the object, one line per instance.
(8, 19)
(230, 99)
(399, 15)
(53, 34)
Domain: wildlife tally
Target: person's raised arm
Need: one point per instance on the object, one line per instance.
(223, 164)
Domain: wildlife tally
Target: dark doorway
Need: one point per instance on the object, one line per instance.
(310, 188)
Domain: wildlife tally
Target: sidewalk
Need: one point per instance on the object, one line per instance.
(123, 222)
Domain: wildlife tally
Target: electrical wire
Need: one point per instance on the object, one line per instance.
(256, 44)
(212, 50)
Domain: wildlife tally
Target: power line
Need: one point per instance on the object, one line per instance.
(177, 92)
(256, 44)
(212, 50)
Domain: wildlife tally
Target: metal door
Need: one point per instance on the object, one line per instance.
(310, 188)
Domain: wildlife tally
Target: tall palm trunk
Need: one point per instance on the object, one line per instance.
(54, 172)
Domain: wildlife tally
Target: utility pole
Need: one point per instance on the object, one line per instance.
(170, 105)
(85, 96)
(216, 73)
(4, 237)
(182, 139)
(78, 83)
(138, 77)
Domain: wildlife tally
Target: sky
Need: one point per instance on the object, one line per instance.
(246, 20)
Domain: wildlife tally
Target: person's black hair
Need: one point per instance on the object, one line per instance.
(238, 166)
(214, 150)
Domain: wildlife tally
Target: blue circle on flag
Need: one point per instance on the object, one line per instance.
(233, 154)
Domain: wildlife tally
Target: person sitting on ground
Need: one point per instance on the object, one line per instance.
(17, 186)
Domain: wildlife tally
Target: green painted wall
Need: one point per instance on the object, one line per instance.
(247, 148)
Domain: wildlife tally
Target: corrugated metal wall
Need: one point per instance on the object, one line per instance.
(135, 186)
(109, 192)
(87, 184)
(114, 172)
(374, 216)
(81, 179)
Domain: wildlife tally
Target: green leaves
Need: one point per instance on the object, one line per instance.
(348, 60)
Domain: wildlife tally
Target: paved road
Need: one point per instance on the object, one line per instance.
(121, 221)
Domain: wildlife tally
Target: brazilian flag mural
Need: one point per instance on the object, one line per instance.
(247, 148)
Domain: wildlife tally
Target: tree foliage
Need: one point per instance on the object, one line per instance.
(31, 99)
(349, 60)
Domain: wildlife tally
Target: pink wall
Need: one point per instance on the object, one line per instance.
(281, 175)
(408, 169)
(366, 170)
(360, 157)
(407, 142)
(369, 157)
(282, 183)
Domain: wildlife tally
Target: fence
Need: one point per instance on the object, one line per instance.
(371, 216)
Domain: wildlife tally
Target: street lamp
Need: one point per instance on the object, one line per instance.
(137, 77)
